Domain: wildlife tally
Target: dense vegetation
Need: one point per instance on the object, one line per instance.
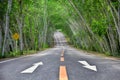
(93, 24)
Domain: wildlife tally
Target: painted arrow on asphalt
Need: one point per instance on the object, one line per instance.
(33, 68)
(88, 66)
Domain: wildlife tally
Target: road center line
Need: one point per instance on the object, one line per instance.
(62, 53)
(62, 59)
(63, 73)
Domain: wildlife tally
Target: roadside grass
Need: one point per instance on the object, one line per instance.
(106, 54)
(18, 54)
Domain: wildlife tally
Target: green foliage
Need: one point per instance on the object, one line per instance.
(108, 54)
(3, 6)
(95, 25)
(99, 27)
(87, 24)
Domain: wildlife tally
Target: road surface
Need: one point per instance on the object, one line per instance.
(60, 63)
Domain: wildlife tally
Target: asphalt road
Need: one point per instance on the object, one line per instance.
(60, 63)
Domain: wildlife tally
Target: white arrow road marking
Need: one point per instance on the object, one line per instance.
(88, 66)
(33, 68)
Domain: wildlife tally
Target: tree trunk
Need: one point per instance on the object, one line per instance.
(6, 26)
(45, 24)
(119, 15)
(114, 18)
(20, 25)
(84, 23)
(0, 39)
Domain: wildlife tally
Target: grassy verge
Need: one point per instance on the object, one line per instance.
(18, 54)
(100, 54)
(106, 55)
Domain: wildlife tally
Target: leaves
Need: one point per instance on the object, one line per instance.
(88, 24)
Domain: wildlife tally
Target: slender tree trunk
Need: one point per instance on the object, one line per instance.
(84, 23)
(45, 23)
(114, 18)
(6, 26)
(20, 24)
(0, 39)
(39, 40)
(11, 44)
(21, 38)
(119, 15)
